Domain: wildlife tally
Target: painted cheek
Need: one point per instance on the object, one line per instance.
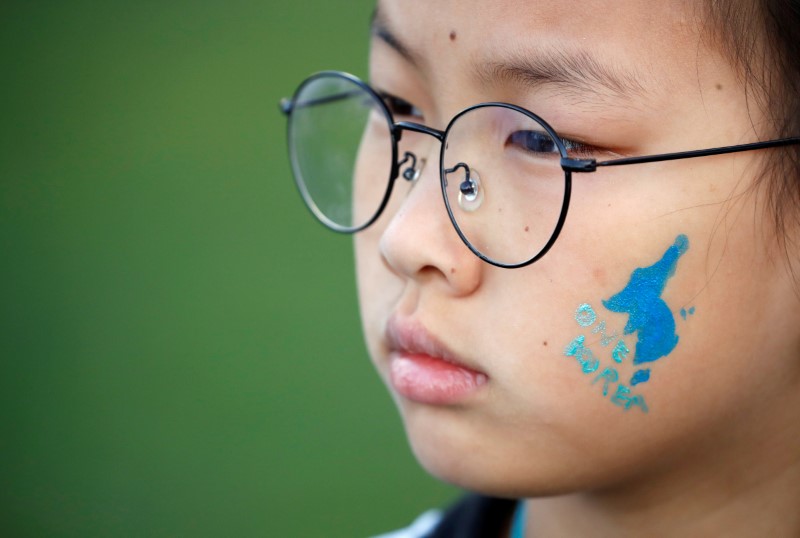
(649, 318)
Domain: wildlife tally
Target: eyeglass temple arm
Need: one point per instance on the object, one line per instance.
(590, 165)
(287, 104)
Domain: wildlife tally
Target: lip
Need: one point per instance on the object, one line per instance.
(423, 370)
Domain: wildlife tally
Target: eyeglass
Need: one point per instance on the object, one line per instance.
(505, 175)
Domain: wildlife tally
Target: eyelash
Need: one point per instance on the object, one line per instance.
(523, 140)
(400, 107)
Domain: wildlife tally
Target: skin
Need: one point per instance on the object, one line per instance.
(719, 452)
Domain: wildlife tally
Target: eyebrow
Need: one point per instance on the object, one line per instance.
(380, 29)
(576, 72)
(579, 73)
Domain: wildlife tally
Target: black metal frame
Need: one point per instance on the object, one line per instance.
(568, 165)
(287, 106)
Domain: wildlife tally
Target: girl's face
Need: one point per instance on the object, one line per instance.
(660, 329)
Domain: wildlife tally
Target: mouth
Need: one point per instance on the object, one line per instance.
(423, 370)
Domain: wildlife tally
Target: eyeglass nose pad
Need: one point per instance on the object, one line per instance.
(470, 196)
(413, 171)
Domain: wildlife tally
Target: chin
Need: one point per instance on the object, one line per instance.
(452, 447)
(481, 454)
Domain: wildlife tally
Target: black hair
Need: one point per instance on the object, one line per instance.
(762, 39)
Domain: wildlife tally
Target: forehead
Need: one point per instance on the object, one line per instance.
(638, 43)
(501, 20)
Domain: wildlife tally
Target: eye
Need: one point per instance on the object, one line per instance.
(400, 107)
(533, 142)
(539, 142)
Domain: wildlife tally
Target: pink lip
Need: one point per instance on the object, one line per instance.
(423, 370)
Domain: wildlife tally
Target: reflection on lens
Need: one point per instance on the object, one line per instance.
(341, 149)
(509, 206)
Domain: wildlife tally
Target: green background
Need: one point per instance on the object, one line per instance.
(179, 340)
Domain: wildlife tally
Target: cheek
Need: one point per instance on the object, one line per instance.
(602, 382)
(372, 168)
(689, 334)
(379, 290)
(369, 276)
(371, 187)
(620, 353)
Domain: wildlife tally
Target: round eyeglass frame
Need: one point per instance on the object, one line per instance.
(568, 165)
(396, 129)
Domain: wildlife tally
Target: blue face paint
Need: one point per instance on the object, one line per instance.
(640, 376)
(620, 351)
(605, 339)
(609, 375)
(585, 316)
(583, 354)
(622, 399)
(648, 314)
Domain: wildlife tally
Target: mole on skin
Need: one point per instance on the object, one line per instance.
(452, 35)
(599, 275)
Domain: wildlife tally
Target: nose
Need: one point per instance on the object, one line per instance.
(420, 242)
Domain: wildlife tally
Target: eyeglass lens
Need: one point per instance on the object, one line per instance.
(336, 126)
(502, 179)
(510, 207)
